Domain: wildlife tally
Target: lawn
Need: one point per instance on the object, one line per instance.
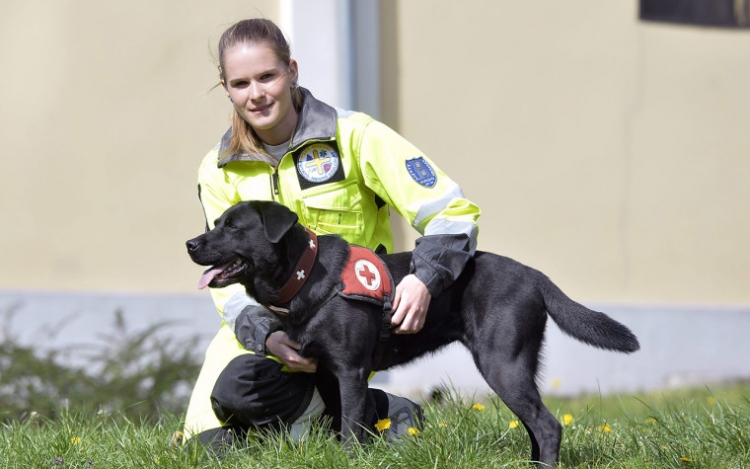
(708, 428)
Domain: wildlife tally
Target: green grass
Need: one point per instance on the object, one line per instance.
(697, 428)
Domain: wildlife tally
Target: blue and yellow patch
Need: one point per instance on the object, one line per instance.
(318, 163)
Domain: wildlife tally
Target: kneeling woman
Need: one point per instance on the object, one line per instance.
(340, 172)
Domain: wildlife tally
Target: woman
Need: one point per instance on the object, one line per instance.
(340, 171)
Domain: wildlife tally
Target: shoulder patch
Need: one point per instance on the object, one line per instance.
(318, 162)
(421, 171)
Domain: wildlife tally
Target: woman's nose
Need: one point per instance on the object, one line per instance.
(256, 91)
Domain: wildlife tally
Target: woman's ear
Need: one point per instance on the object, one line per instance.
(293, 71)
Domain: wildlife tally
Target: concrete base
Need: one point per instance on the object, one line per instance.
(680, 345)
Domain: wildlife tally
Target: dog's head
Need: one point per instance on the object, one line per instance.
(245, 242)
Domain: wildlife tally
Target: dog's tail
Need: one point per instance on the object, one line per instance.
(588, 326)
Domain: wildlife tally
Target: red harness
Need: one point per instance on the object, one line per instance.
(364, 278)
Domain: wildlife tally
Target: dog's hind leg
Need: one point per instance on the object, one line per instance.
(512, 377)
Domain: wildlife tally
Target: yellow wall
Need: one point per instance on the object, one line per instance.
(609, 153)
(612, 154)
(106, 114)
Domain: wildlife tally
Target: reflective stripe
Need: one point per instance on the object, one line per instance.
(343, 113)
(234, 307)
(301, 427)
(440, 226)
(435, 206)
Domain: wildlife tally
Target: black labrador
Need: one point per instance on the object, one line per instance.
(497, 308)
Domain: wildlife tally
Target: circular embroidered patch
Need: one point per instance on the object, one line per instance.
(367, 274)
(318, 162)
(421, 171)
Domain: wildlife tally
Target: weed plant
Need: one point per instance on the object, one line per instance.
(136, 373)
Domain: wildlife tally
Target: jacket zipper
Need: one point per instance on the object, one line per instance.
(275, 182)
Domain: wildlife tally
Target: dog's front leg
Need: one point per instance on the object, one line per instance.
(353, 391)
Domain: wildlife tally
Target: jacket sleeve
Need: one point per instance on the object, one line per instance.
(251, 322)
(425, 196)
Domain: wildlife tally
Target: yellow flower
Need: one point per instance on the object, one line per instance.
(685, 459)
(650, 420)
(177, 438)
(442, 425)
(605, 428)
(513, 424)
(567, 419)
(75, 440)
(710, 400)
(477, 407)
(383, 425)
(555, 383)
(413, 431)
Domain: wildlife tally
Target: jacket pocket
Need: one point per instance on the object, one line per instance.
(337, 212)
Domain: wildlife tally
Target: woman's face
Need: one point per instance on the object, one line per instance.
(259, 85)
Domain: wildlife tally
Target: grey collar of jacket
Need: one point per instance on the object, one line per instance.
(317, 121)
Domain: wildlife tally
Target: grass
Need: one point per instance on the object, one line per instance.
(696, 428)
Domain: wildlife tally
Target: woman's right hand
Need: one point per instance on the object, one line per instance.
(281, 346)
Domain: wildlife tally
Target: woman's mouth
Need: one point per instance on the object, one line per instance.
(261, 109)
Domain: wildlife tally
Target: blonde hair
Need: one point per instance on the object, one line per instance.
(253, 31)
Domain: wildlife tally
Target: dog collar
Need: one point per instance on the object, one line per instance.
(300, 274)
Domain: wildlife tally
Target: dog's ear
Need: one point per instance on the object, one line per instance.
(277, 220)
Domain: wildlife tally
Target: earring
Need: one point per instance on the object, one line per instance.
(230, 99)
(294, 82)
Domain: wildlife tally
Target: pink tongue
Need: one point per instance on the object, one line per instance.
(209, 275)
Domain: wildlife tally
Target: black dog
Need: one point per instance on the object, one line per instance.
(497, 308)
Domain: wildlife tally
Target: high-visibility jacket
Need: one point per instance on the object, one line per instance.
(341, 174)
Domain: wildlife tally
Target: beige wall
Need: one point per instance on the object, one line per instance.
(613, 155)
(106, 114)
(608, 153)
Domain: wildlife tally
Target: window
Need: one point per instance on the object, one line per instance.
(719, 13)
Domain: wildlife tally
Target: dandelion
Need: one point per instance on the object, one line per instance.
(413, 431)
(605, 428)
(555, 383)
(710, 400)
(478, 406)
(685, 459)
(650, 420)
(177, 438)
(567, 419)
(75, 440)
(442, 425)
(513, 424)
(383, 425)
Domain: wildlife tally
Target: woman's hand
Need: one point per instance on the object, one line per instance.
(281, 346)
(410, 305)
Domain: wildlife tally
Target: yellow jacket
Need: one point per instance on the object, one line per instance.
(341, 173)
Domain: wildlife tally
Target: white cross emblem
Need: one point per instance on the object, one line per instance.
(312, 244)
(301, 274)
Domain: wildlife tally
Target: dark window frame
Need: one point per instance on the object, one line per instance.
(708, 13)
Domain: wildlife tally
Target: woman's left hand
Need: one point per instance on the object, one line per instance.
(410, 305)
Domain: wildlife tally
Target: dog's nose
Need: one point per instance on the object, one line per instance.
(192, 244)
